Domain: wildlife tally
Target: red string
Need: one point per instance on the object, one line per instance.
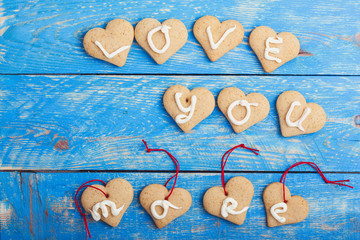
(87, 231)
(313, 165)
(177, 165)
(227, 154)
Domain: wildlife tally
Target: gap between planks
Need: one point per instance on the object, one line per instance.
(162, 171)
(175, 74)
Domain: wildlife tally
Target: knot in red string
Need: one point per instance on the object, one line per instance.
(176, 162)
(87, 231)
(227, 154)
(313, 165)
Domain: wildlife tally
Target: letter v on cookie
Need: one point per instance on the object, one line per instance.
(242, 111)
(188, 108)
(111, 44)
(217, 38)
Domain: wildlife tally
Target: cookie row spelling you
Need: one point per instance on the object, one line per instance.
(162, 40)
(189, 108)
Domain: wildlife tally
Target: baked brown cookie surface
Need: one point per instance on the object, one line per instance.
(242, 111)
(298, 117)
(188, 108)
(217, 38)
(273, 50)
(162, 211)
(233, 206)
(161, 40)
(111, 44)
(119, 197)
(280, 213)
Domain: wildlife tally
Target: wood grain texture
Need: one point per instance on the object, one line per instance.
(28, 211)
(98, 122)
(46, 36)
(64, 110)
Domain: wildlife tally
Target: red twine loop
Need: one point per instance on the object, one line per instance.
(313, 165)
(227, 154)
(87, 231)
(176, 162)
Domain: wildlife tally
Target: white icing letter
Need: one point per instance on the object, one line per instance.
(182, 118)
(102, 205)
(212, 44)
(225, 209)
(243, 103)
(268, 49)
(112, 54)
(298, 123)
(165, 30)
(165, 205)
(278, 208)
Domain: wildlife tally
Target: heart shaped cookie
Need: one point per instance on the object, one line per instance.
(298, 117)
(240, 192)
(111, 44)
(161, 40)
(162, 211)
(242, 111)
(218, 38)
(109, 209)
(188, 108)
(279, 213)
(273, 50)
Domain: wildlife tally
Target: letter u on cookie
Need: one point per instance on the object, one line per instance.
(298, 117)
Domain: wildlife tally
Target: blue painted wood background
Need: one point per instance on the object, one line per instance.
(66, 118)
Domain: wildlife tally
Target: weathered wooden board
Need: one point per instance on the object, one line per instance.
(46, 36)
(41, 206)
(61, 109)
(99, 122)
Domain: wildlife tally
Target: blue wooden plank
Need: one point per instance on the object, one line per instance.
(46, 36)
(47, 210)
(104, 118)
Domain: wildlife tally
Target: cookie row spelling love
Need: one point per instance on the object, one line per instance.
(162, 40)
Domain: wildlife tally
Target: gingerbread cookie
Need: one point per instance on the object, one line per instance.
(111, 44)
(273, 50)
(218, 38)
(233, 206)
(298, 117)
(242, 111)
(188, 108)
(109, 208)
(280, 213)
(161, 40)
(162, 210)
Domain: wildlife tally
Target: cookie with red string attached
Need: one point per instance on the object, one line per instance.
(165, 205)
(282, 208)
(107, 202)
(231, 201)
